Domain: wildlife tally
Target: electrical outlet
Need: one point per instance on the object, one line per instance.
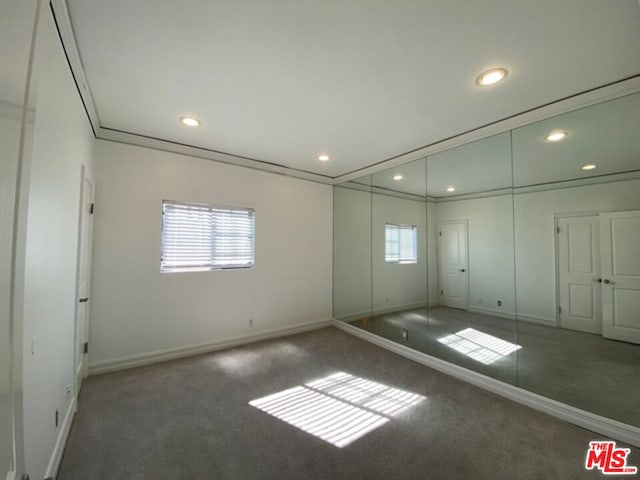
(251, 322)
(499, 303)
(405, 334)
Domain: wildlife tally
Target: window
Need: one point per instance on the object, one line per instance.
(400, 243)
(204, 237)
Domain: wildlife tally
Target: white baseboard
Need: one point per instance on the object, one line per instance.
(547, 322)
(116, 364)
(399, 308)
(58, 450)
(494, 312)
(590, 421)
(356, 316)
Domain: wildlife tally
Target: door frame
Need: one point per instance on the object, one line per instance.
(556, 247)
(84, 176)
(466, 233)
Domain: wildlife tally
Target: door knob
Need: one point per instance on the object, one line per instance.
(608, 282)
(462, 270)
(599, 280)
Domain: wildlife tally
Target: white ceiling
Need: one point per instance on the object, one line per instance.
(607, 135)
(363, 80)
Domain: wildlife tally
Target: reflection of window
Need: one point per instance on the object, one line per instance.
(400, 243)
(203, 237)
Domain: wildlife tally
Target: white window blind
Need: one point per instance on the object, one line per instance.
(203, 237)
(400, 243)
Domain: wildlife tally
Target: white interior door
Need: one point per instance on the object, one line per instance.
(620, 257)
(452, 264)
(580, 295)
(84, 282)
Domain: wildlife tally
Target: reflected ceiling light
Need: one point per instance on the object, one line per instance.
(491, 77)
(555, 136)
(324, 157)
(451, 189)
(589, 166)
(397, 177)
(190, 121)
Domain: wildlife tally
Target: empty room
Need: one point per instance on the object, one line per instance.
(289, 239)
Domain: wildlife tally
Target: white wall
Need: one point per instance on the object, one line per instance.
(535, 250)
(491, 252)
(364, 283)
(137, 311)
(352, 253)
(61, 145)
(398, 286)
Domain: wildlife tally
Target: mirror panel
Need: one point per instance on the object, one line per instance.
(472, 313)
(399, 254)
(352, 252)
(526, 266)
(578, 258)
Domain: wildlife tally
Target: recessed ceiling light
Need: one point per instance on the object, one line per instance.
(190, 121)
(451, 189)
(555, 136)
(491, 77)
(589, 166)
(323, 158)
(397, 177)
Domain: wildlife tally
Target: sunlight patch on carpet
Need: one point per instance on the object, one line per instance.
(338, 408)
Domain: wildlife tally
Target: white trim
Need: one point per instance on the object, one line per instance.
(575, 102)
(208, 154)
(63, 23)
(58, 450)
(578, 182)
(399, 308)
(492, 311)
(123, 363)
(581, 100)
(547, 322)
(560, 185)
(356, 316)
(596, 423)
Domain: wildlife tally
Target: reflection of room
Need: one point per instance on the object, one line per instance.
(530, 273)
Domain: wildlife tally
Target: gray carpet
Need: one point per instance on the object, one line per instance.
(190, 419)
(580, 369)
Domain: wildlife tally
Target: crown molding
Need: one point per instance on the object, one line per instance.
(65, 29)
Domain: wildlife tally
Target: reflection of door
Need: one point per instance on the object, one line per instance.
(452, 263)
(84, 275)
(578, 273)
(620, 238)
